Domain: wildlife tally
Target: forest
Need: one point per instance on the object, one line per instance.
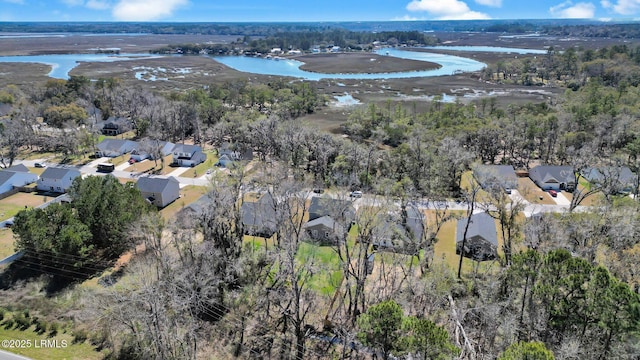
(564, 285)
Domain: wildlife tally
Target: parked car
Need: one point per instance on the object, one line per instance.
(356, 194)
(318, 190)
(553, 193)
(38, 165)
(507, 190)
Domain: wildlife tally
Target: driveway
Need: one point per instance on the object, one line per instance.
(561, 199)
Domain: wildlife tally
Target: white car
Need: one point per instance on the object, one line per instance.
(356, 194)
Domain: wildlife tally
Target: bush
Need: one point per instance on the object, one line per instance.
(22, 322)
(2, 311)
(80, 336)
(41, 326)
(8, 324)
(53, 329)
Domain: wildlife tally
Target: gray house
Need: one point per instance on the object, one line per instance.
(402, 234)
(549, 177)
(115, 126)
(324, 230)
(322, 206)
(159, 191)
(188, 155)
(146, 148)
(114, 147)
(259, 217)
(614, 180)
(482, 237)
(10, 179)
(493, 177)
(57, 180)
(229, 153)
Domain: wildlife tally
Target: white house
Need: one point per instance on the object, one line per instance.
(57, 180)
(188, 155)
(10, 179)
(159, 191)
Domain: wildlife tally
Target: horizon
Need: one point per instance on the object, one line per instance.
(282, 11)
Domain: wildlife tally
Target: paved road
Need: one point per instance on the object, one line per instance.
(4, 355)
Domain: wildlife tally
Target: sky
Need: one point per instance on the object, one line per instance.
(312, 10)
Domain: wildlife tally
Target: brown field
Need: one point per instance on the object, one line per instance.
(6, 243)
(353, 63)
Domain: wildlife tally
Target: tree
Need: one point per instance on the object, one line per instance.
(533, 350)
(381, 327)
(426, 338)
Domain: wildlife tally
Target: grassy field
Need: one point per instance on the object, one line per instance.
(47, 347)
(6, 243)
(188, 194)
(10, 206)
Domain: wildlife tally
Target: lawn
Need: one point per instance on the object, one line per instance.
(532, 193)
(142, 166)
(188, 194)
(6, 243)
(10, 206)
(46, 347)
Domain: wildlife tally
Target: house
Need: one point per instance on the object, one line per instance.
(58, 180)
(114, 147)
(259, 217)
(115, 126)
(322, 206)
(159, 191)
(149, 148)
(482, 238)
(614, 180)
(549, 177)
(188, 155)
(324, 230)
(496, 177)
(403, 234)
(229, 153)
(10, 179)
(18, 168)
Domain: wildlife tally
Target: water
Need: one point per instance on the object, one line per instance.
(449, 65)
(497, 49)
(62, 64)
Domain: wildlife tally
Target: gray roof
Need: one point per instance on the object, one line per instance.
(186, 148)
(154, 184)
(482, 224)
(326, 221)
(18, 168)
(552, 174)
(622, 173)
(322, 206)
(260, 214)
(496, 175)
(59, 173)
(116, 145)
(5, 176)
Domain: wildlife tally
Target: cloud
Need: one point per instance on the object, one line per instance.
(98, 5)
(622, 7)
(146, 10)
(494, 3)
(406, 18)
(567, 10)
(446, 9)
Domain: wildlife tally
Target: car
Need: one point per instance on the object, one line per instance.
(553, 193)
(507, 190)
(208, 171)
(131, 161)
(38, 165)
(318, 190)
(356, 194)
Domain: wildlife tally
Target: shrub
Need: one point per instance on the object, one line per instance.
(8, 324)
(41, 327)
(53, 329)
(80, 336)
(22, 322)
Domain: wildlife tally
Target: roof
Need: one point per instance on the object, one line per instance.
(18, 168)
(622, 173)
(186, 148)
(552, 174)
(482, 224)
(116, 145)
(491, 175)
(155, 184)
(326, 221)
(261, 213)
(6, 176)
(322, 205)
(59, 173)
